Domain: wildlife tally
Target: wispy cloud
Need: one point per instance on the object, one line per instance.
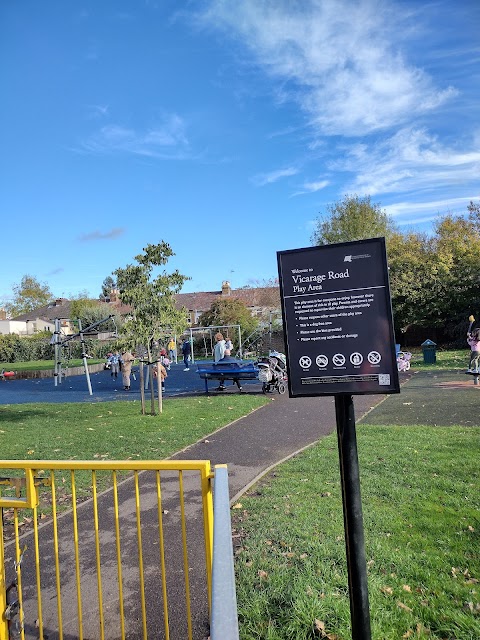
(312, 187)
(338, 59)
(167, 140)
(262, 179)
(56, 271)
(418, 212)
(97, 110)
(410, 160)
(99, 235)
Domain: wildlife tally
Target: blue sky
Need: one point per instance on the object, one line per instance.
(224, 127)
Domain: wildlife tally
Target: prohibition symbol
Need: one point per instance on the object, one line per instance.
(338, 359)
(305, 362)
(374, 357)
(321, 361)
(356, 358)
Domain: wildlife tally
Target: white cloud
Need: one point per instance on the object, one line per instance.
(338, 58)
(410, 160)
(418, 212)
(167, 140)
(262, 179)
(312, 187)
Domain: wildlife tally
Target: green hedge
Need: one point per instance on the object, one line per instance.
(15, 348)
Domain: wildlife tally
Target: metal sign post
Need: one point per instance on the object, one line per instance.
(339, 340)
(352, 518)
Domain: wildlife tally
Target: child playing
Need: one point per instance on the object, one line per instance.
(473, 339)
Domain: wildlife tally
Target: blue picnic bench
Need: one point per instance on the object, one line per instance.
(227, 371)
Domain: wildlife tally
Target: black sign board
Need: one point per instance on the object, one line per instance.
(337, 319)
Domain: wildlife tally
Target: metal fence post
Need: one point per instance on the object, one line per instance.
(224, 621)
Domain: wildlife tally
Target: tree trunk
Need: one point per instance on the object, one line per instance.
(142, 388)
(152, 385)
(160, 403)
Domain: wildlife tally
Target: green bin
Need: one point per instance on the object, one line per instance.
(429, 349)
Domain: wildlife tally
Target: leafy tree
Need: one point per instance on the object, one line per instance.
(107, 285)
(29, 295)
(435, 281)
(152, 299)
(353, 218)
(89, 311)
(227, 311)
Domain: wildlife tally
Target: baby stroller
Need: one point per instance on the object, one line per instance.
(272, 372)
(403, 360)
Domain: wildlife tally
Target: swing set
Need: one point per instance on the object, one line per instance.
(63, 351)
(208, 335)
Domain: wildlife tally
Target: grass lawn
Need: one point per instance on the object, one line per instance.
(42, 365)
(452, 359)
(421, 508)
(113, 430)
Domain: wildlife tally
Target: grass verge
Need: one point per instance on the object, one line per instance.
(112, 431)
(452, 359)
(43, 365)
(421, 505)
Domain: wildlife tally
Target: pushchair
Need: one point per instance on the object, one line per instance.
(403, 360)
(272, 372)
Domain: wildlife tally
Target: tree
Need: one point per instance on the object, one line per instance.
(89, 311)
(227, 311)
(29, 295)
(154, 312)
(435, 281)
(107, 285)
(352, 218)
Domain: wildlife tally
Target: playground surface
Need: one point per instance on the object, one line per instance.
(105, 388)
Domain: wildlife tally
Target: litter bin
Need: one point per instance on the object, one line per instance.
(429, 349)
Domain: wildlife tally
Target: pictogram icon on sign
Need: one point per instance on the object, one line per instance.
(374, 357)
(338, 359)
(321, 361)
(305, 362)
(356, 358)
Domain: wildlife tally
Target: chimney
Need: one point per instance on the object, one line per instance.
(3, 314)
(114, 295)
(58, 302)
(226, 288)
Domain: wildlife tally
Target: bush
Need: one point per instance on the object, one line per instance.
(14, 348)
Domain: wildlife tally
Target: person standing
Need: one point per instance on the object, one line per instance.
(172, 350)
(219, 349)
(186, 351)
(127, 361)
(114, 361)
(473, 340)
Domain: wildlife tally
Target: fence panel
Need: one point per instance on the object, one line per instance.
(105, 549)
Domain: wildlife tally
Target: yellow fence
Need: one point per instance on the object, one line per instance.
(116, 549)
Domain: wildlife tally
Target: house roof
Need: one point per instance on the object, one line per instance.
(254, 297)
(60, 308)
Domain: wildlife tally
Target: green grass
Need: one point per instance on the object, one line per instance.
(42, 365)
(451, 359)
(113, 430)
(421, 508)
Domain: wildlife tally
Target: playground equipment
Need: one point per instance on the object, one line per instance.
(60, 345)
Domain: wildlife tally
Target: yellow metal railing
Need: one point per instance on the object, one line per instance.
(91, 536)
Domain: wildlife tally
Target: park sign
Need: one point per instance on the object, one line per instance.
(337, 319)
